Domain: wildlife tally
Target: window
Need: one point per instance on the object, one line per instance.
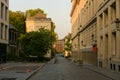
(6, 32)
(118, 67)
(2, 9)
(6, 13)
(2, 30)
(114, 44)
(113, 66)
(113, 11)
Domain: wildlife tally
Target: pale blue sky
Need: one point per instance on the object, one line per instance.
(58, 10)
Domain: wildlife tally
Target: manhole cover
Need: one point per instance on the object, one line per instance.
(8, 79)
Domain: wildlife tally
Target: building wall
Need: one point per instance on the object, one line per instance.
(35, 25)
(88, 33)
(59, 46)
(77, 6)
(97, 27)
(108, 35)
(4, 26)
(4, 21)
(13, 41)
(39, 21)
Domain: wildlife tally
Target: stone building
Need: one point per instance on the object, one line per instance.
(4, 26)
(77, 6)
(96, 32)
(108, 34)
(38, 21)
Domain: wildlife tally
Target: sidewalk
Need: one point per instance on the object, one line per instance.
(105, 72)
(7, 65)
(17, 70)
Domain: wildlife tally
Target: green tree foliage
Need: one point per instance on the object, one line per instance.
(36, 43)
(17, 19)
(54, 34)
(68, 44)
(33, 12)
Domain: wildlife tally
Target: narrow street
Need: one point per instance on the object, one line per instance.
(65, 70)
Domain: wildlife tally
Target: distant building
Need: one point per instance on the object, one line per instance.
(13, 42)
(38, 21)
(4, 26)
(59, 45)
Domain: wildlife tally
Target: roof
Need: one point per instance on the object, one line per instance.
(11, 27)
(37, 16)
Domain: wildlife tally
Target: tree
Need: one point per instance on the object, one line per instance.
(33, 12)
(36, 43)
(17, 19)
(68, 44)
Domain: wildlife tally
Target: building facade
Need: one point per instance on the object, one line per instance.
(59, 45)
(96, 32)
(13, 41)
(77, 6)
(108, 19)
(4, 27)
(38, 21)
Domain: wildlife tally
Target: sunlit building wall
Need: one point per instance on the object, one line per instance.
(88, 32)
(108, 19)
(96, 33)
(38, 21)
(77, 6)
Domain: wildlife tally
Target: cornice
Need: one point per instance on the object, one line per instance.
(73, 7)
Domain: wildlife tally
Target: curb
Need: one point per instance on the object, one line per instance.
(34, 72)
(5, 68)
(102, 72)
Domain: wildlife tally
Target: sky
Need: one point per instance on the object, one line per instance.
(57, 10)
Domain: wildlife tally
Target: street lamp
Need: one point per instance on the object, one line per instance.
(117, 21)
(82, 43)
(94, 42)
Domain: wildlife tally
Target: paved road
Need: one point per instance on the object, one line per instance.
(65, 70)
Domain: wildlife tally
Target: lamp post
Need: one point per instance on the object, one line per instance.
(94, 42)
(117, 21)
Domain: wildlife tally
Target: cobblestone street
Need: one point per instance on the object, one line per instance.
(65, 70)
